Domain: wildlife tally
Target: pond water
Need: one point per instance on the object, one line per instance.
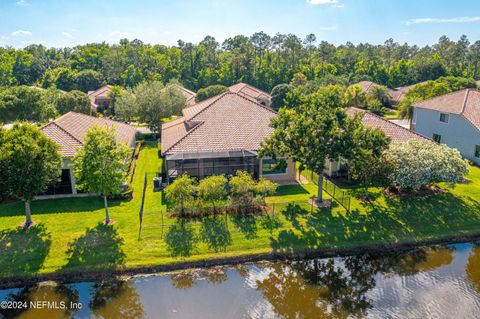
(433, 282)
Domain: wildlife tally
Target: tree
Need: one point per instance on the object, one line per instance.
(368, 164)
(354, 96)
(299, 79)
(88, 80)
(210, 91)
(30, 163)
(151, 102)
(242, 187)
(265, 187)
(212, 189)
(25, 104)
(379, 93)
(75, 101)
(418, 164)
(279, 93)
(100, 166)
(180, 192)
(314, 132)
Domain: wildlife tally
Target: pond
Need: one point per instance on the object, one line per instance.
(434, 282)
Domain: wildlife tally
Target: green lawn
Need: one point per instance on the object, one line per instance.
(69, 235)
(391, 114)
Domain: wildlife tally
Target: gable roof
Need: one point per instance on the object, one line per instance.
(68, 131)
(249, 91)
(229, 121)
(464, 102)
(367, 86)
(189, 95)
(396, 132)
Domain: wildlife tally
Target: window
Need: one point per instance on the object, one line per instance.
(444, 117)
(437, 138)
(272, 166)
(477, 151)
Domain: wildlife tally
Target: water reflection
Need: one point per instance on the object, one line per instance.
(436, 281)
(115, 299)
(59, 295)
(473, 268)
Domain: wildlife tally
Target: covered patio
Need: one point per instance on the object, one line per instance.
(203, 164)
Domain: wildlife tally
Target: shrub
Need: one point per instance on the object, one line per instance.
(212, 189)
(181, 192)
(419, 164)
(210, 91)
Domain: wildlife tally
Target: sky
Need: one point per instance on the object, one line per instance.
(62, 23)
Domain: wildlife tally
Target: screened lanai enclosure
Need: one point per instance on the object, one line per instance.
(205, 164)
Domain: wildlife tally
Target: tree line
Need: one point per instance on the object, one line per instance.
(261, 60)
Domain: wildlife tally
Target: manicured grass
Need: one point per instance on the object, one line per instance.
(69, 236)
(391, 114)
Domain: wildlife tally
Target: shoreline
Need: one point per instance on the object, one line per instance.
(94, 275)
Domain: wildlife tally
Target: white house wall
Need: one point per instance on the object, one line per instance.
(458, 133)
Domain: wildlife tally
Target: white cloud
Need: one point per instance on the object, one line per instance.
(21, 32)
(328, 28)
(22, 3)
(444, 20)
(67, 35)
(120, 34)
(322, 1)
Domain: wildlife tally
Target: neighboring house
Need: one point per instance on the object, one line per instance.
(68, 132)
(251, 92)
(396, 133)
(100, 98)
(395, 96)
(404, 89)
(452, 119)
(189, 95)
(220, 136)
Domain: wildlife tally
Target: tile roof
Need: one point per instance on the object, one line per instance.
(101, 92)
(366, 86)
(229, 121)
(249, 91)
(189, 95)
(396, 132)
(464, 102)
(68, 131)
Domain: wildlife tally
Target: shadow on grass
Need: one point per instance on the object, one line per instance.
(270, 222)
(296, 189)
(99, 248)
(55, 206)
(23, 251)
(388, 219)
(180, 239)
(246, 223)
(214, 232)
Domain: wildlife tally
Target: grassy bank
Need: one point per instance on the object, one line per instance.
(69, 236)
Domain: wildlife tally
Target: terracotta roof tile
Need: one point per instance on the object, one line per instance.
(68, 131)
(228, 121)
(396, 132)
(249, 91)
(366, 86)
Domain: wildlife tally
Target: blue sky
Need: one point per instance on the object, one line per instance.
(62, 23)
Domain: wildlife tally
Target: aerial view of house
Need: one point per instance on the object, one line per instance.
(222, 135)
(203, 159)
(452, 119)
(100, 98)
(68, 131)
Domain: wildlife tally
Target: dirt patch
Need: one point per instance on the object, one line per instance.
(326, 203)
(427, 191)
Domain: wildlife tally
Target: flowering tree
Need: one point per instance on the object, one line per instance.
(421, 163)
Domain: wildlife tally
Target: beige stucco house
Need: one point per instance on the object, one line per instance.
(68, 131)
